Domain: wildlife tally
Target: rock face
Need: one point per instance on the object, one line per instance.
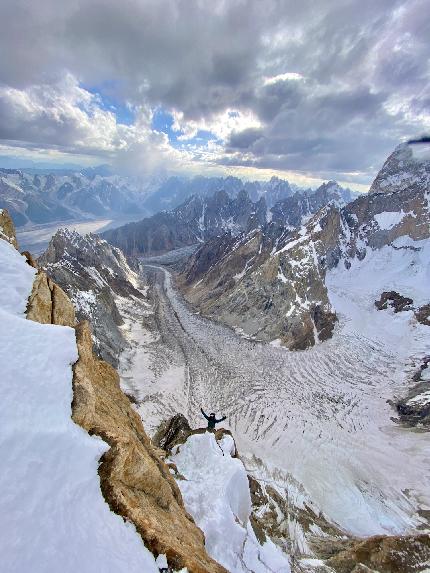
(270, 282)
(134, 480)
(384, 555)
(172, 432)
(7, 229)
(49, 304)
(202, 218)
(93, 274)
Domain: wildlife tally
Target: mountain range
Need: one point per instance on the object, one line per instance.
(35, 197)
(270, 281)
(200, 218)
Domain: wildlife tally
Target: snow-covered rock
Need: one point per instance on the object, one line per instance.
(216, 493)
(270, 282)
(94, 274)
(52, 513)
(408, 167)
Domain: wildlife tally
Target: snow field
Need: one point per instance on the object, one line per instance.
(52, 513)
(216, 493)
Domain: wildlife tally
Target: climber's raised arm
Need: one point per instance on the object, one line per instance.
(205, 415)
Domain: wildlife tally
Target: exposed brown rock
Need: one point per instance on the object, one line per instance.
(172, 432)
(30, 259)
(394, 554)
(7, 228)
(394, 300)
(134, 480)
(49, 304)
(423, 314)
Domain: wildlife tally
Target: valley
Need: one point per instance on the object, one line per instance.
(36, 238)
(319, 419)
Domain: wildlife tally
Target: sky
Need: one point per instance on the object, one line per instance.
(305, 90)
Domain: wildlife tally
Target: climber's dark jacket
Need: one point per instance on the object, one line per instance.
(212, 420)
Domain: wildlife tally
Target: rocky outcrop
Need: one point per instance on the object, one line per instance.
(172, 432)
(7, 229)
(49, 304)
(384, 554)
(134, 480)
(93, 274)
(393, 300)
(414, 408)
(422, 314)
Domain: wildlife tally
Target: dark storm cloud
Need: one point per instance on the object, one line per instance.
(244, 139)
(361, 70)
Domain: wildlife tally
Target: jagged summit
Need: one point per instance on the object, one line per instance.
(408, 167)
(94, 274)
(199, 218)
(271, 284)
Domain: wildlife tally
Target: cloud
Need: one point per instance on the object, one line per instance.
(323, 88)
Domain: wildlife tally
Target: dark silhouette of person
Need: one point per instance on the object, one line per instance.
(212, 420)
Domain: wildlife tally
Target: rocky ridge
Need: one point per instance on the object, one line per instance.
(94, 275)
(199, 219)
(271, 282)
(135, 482)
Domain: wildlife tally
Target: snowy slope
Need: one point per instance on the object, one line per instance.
(52, 513)
(216, 493)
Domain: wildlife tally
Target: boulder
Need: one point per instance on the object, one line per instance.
(172, 432)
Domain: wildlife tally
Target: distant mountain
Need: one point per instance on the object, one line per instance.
(37, 196)
(45, 198)
(271, 281)
(93, 274)
(201, 218)
(196, 220)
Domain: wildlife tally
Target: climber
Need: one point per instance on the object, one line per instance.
(212, 420)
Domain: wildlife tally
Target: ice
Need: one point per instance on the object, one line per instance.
(321, 417)
(216, 493)
(52, 513)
